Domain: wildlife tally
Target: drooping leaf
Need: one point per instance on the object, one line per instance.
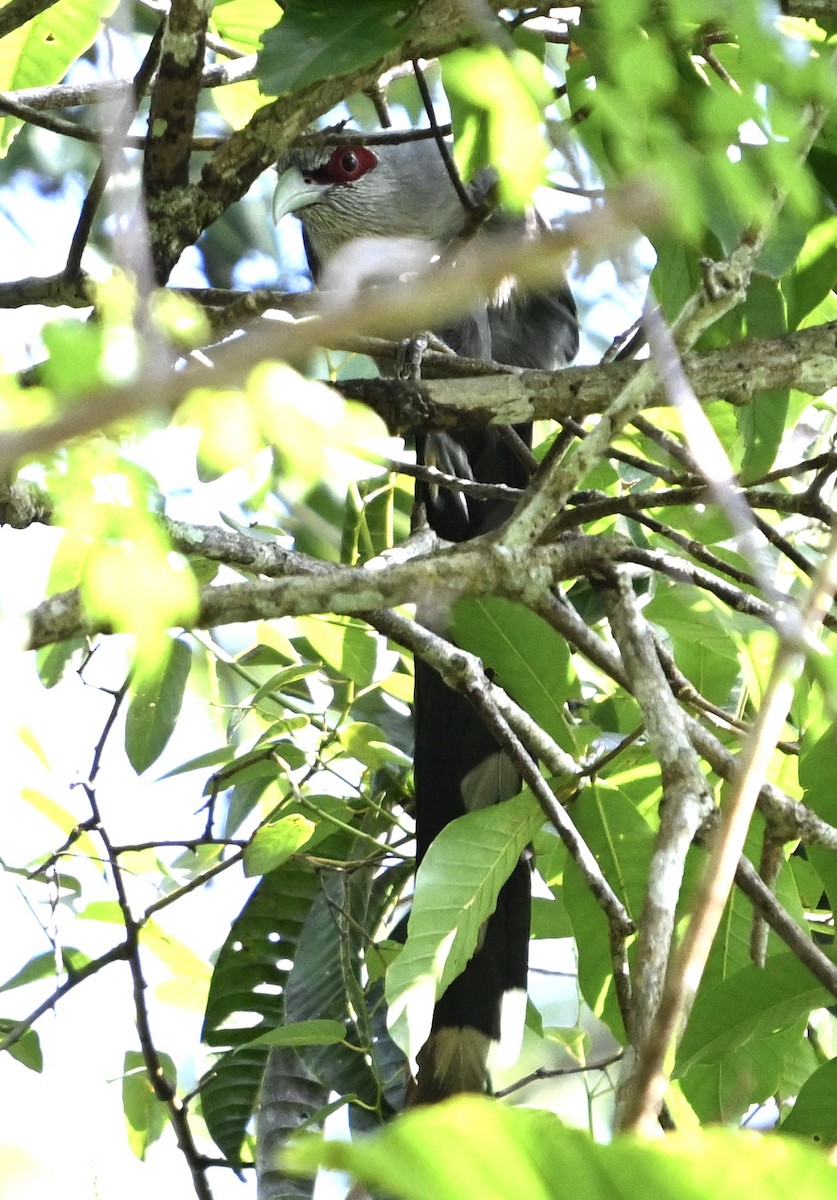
(326, 981)
(288, 1098)
(146, 1116)
(42, 966)
(529, 659)
(54, 661)
(818, 777)
(622, 842)
(496, 103)
(762, 421)
(456, 890)
(246, 996)
(61, 817)
(155, 707)
(27, 1048)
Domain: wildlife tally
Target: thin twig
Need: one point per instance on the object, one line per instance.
(558, 1073)
(465, 199)
(96, 190)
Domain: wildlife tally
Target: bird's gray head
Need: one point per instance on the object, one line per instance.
(345, 192)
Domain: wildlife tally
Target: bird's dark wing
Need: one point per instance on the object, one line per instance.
(538, 332)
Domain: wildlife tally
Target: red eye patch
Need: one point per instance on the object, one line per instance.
(346, 164)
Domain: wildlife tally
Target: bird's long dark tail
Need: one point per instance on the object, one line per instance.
(458, 767)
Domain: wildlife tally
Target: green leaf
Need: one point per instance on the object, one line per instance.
(246, 997)
(752, 1003)
(281, 680)
(369, 516)
(814, 1115)
(316, 40)
(456, 891)
(818, 776)
(504, 93)
(345, 645)
(699, 628)
(326, 982)
(730, 951)
(472, 1146)
(815, 274)
(503, 1166)
(54, 661)
(724, 1091)
(66, 821)
(41, 50)
(75, 357)
(115, 545)
(549, 919)
(43, 966)
(211, 759)
(274, 843)
(191, 972)
(27, 1049)
(303, 1033)
(289, 1098)
(145, 1115)
(155, 707)
(622, 842)
(762, 421)
(242, 23)
(366, 742)
(677, 273)
(529, 659)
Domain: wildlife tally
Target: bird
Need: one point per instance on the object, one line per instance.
(404, 190)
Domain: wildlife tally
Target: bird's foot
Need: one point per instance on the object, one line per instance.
(409, 358)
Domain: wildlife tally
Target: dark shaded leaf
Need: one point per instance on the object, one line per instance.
(317, 39)
(814, 1115)
(752, 1003)
(529, 659)
(288, 1098)
(246, 996)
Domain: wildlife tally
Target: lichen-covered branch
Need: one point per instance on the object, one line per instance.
(467, 570)
(686, 804)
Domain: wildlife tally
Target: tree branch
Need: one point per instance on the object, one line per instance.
(789, 819)
(686, 803)
(18, 12)
(117, 953)
(474, 570)
(162, 1088)
(647, 1084)
(174, 103)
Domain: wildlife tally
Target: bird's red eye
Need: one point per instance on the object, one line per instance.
(349, 163)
